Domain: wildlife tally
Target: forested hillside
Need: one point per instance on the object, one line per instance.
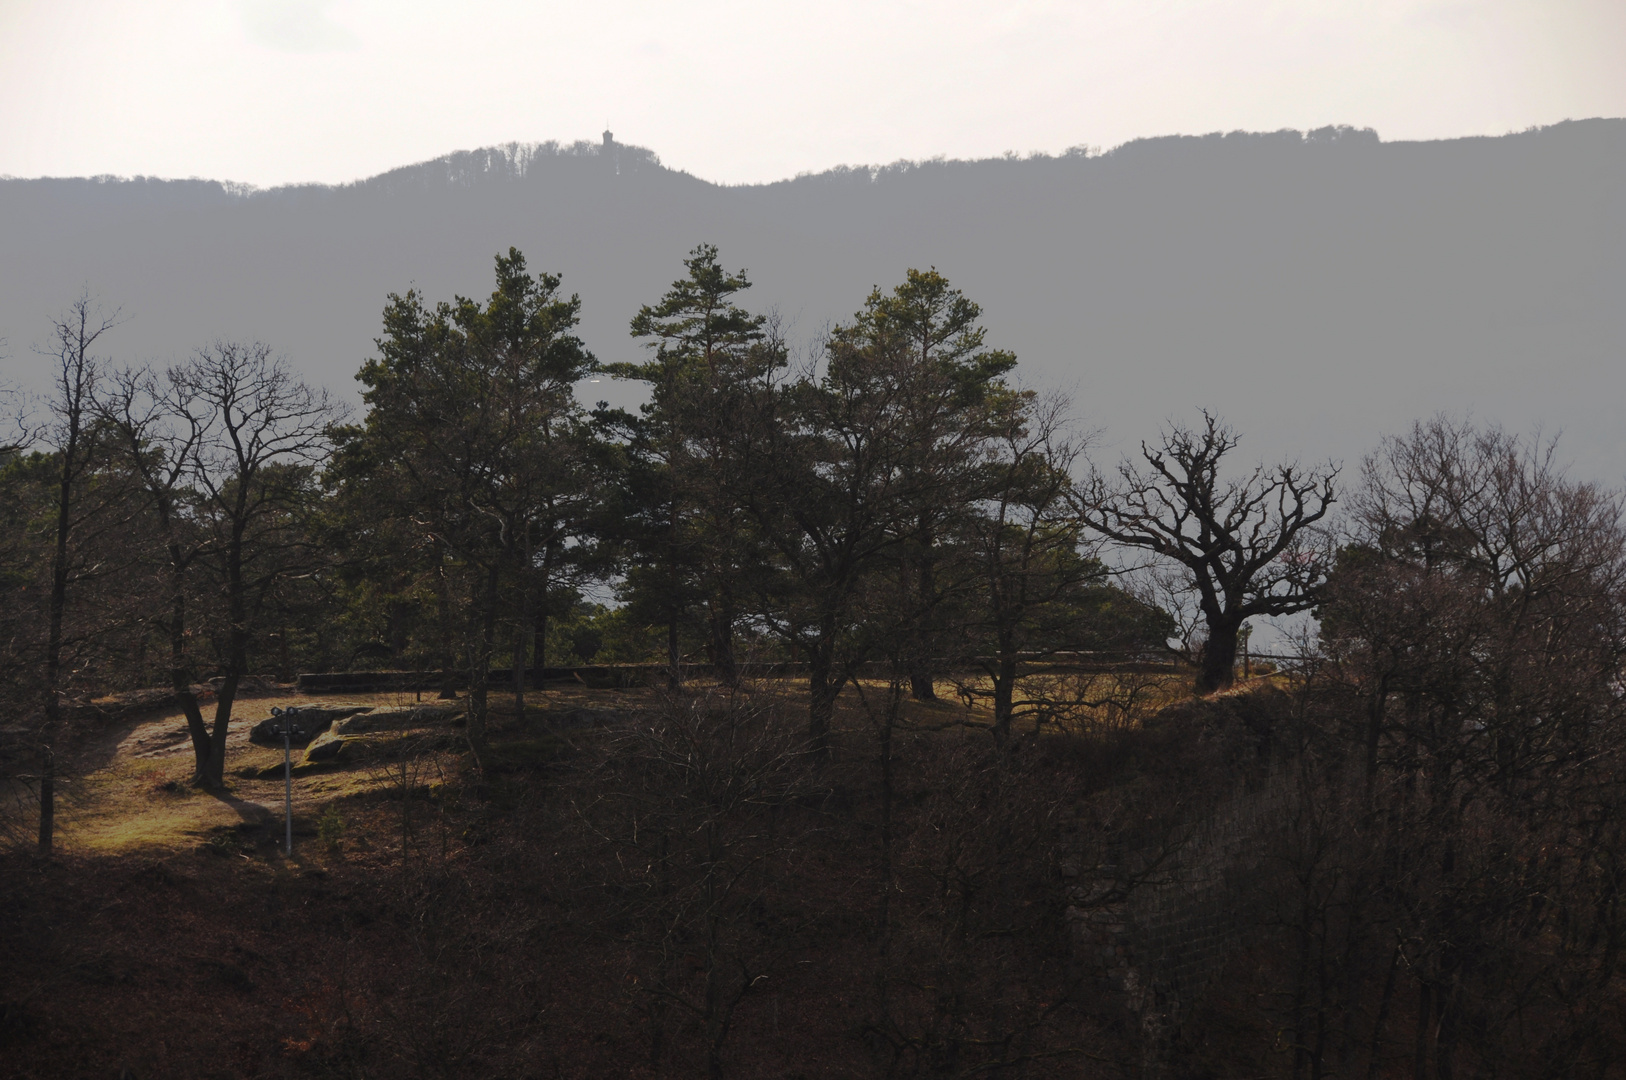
(1315, 288)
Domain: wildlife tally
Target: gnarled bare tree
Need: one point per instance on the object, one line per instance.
(1242, 543)
(263, 432)
(154, 426)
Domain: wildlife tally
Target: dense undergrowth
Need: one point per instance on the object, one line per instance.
(681, 885)
(692, 892)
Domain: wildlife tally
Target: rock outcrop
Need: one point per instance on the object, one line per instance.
(312, 721)
(404, 718)
(329, 749)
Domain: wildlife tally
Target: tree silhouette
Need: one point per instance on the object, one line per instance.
(1242, 543)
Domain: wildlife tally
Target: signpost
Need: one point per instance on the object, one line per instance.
(290, 730)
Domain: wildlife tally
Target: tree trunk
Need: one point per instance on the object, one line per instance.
(521, 628)
(674, 674)
(713, 1009)
(47, 793)
(1004, 678)
(76, 381)
(674, 671)
(1374, 1057)
(213, 775)
(883, 917)
(180, 677)
(53, 639)
(480, 670)
(443, 605)
(540, 649)
(921, 683)
(1445, 1040)
(1218, 669)
(721, 644)
(1425, 1017)
(479, 698)
(1375, 711)
(521, 640)
(53, 676)
(823, 689)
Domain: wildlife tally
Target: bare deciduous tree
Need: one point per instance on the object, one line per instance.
(1243, 544)
(1026, 545)
(72, 406)
(154, 427)
(1475, 631)
(261, 433)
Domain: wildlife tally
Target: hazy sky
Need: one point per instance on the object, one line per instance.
(270, 91)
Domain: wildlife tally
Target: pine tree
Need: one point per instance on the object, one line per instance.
(709, 358)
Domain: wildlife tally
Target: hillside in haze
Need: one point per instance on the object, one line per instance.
(1317, 289)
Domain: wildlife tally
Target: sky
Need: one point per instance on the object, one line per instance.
(267, 92)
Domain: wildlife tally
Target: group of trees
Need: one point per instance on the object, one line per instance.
(1445, 892)
(894, 500)
(169, 515)
(835, 515)
(896, 504)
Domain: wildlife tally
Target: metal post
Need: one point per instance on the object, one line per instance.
(285, 725)
(288, 783)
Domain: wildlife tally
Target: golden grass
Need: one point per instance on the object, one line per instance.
(131, 791)
(135, 793)
(1075, 703)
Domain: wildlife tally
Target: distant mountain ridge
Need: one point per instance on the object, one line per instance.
(1316, 288)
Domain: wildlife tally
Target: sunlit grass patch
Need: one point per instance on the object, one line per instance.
(135, 793)
(1070, 702)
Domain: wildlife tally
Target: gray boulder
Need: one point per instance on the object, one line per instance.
(312, 720)
(403, 718)
(328, 749)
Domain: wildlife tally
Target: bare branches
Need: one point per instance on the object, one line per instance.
(1243, 543)
(76, 334)
(155, 424)
(1476, 574)
(249, 413)
(71, 407)
(1495, 504)
(693, 798)
(16, 433)
(253, 435)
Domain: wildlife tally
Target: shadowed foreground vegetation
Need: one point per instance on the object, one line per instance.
(635, 884)
(645, 883)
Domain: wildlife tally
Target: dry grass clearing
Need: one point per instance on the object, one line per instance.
(128, 790)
